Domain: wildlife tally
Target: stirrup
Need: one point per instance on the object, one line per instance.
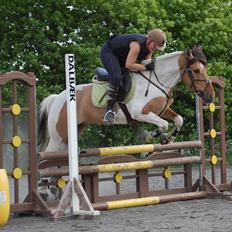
(110, 117)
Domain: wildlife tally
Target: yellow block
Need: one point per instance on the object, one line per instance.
(132, 202)
(167, 173)
(61, 183)
(126, 149)
(125, 166)
(16, 141)
(4, 198)
(118, 177)
(15, 109)
(17, 173)
(213, 133)
(213, 159)
(212, 107)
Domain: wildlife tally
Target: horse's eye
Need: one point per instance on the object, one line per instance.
(196, 71)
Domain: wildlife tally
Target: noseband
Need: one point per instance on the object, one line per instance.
(190, 72)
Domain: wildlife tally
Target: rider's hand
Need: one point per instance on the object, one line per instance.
(150, 66)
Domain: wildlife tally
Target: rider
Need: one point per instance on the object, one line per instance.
(126, 52)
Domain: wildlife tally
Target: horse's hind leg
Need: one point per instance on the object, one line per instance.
(47, 186)
(169, 114)
(81, 129)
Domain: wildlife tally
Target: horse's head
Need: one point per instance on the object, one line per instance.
(193, 66)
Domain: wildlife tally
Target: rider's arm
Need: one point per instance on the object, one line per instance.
(132, 57)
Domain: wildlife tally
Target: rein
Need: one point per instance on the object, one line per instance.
(151, 82)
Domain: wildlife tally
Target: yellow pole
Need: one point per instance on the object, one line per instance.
(125, 166)
(4, 197)
(107, 151)
(133, 202)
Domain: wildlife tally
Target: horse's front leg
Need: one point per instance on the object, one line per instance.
(169, 114)
(156, 120)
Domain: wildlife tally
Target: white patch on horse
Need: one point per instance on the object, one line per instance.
(47, 103)
(153, 119)
(201, 67)
(178, 120)
(167, 70)
(52, 121)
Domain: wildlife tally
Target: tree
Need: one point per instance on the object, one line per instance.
(35, 35)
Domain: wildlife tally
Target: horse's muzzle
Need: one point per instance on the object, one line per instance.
(207, 97)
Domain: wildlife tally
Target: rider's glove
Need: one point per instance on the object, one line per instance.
(150, 66)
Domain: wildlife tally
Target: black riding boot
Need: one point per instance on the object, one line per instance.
(110, 115)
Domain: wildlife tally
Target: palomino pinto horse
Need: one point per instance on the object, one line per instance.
(152, 107)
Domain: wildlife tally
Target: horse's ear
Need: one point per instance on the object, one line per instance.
(198, 48)
(189, 54)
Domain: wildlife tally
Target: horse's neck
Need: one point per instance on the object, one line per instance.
(167, 70)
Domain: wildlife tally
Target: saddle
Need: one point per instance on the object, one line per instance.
(100, 87)
(125, 84)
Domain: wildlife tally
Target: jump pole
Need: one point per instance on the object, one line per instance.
(74, 195)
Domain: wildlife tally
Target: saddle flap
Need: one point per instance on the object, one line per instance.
(99, 91)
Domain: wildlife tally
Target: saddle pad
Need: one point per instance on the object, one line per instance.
(99, 92)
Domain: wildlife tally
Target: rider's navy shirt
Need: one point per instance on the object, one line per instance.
(120, 46)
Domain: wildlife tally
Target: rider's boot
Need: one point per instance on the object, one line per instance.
(110, 115)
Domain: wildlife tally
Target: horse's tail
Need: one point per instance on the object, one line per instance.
(42, 132)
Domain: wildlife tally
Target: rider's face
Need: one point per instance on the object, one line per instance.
(151, 46)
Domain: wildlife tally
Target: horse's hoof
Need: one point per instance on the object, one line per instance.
(164, 138)
(156, 133)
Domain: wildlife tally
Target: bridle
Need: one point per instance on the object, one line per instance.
(193, 80)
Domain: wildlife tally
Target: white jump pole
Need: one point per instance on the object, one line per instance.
(72, 128)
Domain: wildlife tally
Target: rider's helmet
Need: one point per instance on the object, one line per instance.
(159, 37)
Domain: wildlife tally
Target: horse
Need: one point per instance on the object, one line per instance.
(150, 102)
